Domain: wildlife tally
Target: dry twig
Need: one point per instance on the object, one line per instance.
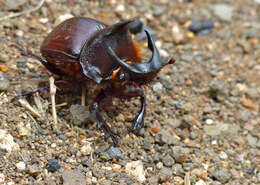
(23, 12)
(53, 93)
(28, 107)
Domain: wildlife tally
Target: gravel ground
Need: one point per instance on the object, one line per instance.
(202, 121)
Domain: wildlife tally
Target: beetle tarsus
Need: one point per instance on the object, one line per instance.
(100, 122)
(139, 120)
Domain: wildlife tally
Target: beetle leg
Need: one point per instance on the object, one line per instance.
(101, 124)
(139, 119)
(132, 90)
(83, 93)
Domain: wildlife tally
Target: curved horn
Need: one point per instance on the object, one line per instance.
(151, 66)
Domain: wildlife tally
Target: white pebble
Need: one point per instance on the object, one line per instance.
(43, 20)
(214, 142)
(200, 182)
(7, 142)
(164, 53)
(86, 149)
(20, 166)
(159, 165)
(157, 87)
(136, 169)
(120, 8)
(209, 121)
(223, 155)
(53, 145)
(62, 18)
(116, 167)
(2, 178)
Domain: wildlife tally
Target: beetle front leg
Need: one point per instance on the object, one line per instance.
(132, 90)
(101, 124)
(139, 119)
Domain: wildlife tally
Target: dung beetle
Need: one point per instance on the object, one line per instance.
(84, 50)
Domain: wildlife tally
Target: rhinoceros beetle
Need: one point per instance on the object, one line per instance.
(89, 51)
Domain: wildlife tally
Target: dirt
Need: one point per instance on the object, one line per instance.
(202, 120)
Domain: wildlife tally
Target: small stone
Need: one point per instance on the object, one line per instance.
(223, 155)
(114, 152)
(135, 168)
(4, 83)
(253, 141)
(62, 18)
(34, 169)
(163, 53)
(180, 154)
(209, 121)
(157, 87)
(14, 4)
(200, 182)
(218, 90)
(247, 103)
(53, 165)
(177, 34)
(44, 20)
(20, 166)
(156, 128)
(227, 130)
(116, 167)
(86, 149)
(80, 114)
(167, 137)
(4, 58)
(120, 8)
(222, 175)
(178, 180)
(189, 35)
(70, 177)
(200, 173)
(7, 142)
(24, 130)
(199, 26)
(223, 11)
(158, 11)
(165, 174)
(159, 165)
(2, 178)
(3, 68)
(168, 160)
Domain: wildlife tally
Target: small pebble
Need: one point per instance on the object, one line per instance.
(157, 87)
(20, 166)
(86, 149)
(53, 165)
(209, 121)
(223, 155)
(200, 182)
(159, 165)
(7, 142)
(116, 167)
(120, 8)
(4, 83)
(2, 178)
(135, 168)
(114, 152)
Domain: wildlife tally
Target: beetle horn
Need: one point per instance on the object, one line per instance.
(147, 67)
(115, 27)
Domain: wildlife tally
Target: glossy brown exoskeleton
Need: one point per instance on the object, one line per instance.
(86, 50)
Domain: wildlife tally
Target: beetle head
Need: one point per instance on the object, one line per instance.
(143, 72)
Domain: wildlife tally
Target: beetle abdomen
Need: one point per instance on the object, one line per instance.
(65, 42)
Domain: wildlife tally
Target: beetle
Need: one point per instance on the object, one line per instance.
(89, 51)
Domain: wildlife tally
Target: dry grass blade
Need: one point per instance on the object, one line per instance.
(53, 93)
(28, 107)
(24, 12)
(187, 179)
